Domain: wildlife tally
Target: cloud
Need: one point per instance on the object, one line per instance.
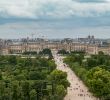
(21, 30)
(95, 1)
(37, 9)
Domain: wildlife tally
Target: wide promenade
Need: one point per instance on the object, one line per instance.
(77, 90)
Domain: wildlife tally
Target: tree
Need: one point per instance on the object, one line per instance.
(100, 53)
(45, 51)
(25, 89)
(34, 75)
(12, 60)
(59, 76)
(91, 63)
(28, 62)
(27, 79)
(16, 90)
(51, 65)
(0, 75)
(60, 90)
(63, 52)
(98, 80)
(33, 94)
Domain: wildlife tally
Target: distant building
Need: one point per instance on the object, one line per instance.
(90, 45)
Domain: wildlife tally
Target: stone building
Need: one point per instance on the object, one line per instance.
(12, 47)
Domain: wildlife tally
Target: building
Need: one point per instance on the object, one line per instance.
(36, 45)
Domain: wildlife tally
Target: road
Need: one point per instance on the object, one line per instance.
(77, 90)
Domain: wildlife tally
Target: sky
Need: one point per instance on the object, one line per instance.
(54, 18)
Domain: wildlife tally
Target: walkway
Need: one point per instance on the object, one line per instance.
(77, 90)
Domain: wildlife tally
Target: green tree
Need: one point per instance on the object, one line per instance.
(0, 75)
(12, 60)
(33, 94)
(34, 75)
(63, 52)
(98, 80)
(59, 77)
(60, 90)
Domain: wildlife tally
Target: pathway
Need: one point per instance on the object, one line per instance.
(77, 90)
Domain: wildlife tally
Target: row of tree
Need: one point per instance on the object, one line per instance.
(93, 70)
(44, 52)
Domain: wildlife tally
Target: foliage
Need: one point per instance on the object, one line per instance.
(30, 53)
(93, 71)
(59, 77)
(28, 79)
(63, 52)
(98, 80)
(46, 52)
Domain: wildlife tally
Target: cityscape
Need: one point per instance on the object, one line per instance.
(54, 49)
(89, 44)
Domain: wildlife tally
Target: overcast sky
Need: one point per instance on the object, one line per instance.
(54, 18)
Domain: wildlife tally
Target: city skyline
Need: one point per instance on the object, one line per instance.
(54, 18)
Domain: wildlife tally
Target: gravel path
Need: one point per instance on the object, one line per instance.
(77, 90)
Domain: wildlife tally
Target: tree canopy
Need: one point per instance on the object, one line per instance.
(94, 71)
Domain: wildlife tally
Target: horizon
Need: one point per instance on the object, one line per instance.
(30, 37)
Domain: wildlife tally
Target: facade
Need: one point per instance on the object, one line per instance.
(26, 45)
